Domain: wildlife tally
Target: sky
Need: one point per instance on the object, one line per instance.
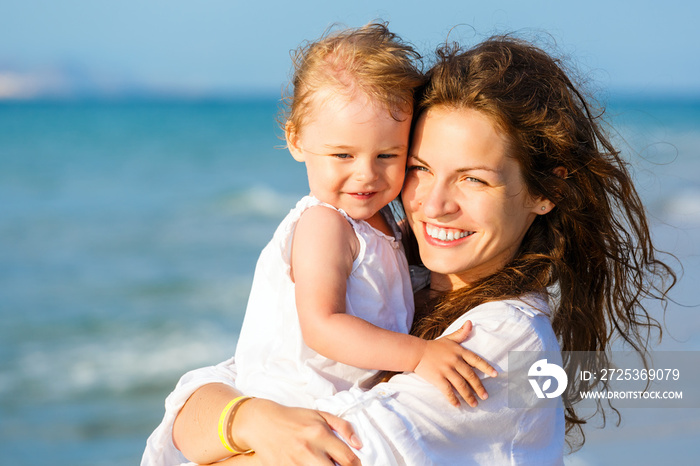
(233, 47)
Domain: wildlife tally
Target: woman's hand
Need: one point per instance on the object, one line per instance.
(449, 366)
(292, 436)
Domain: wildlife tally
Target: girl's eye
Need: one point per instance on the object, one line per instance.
(342, 156)
(387, 156)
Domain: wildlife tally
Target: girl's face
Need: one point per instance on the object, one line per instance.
(355, 153)
(465, 197)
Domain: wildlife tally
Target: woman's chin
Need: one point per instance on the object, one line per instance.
(442, 266)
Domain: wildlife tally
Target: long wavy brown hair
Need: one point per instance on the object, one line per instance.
(593, 254)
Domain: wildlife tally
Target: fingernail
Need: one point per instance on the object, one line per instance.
(355, 442)
(494, 373)
(484, 396)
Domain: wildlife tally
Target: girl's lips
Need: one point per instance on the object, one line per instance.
(366, 195)
(445, 236)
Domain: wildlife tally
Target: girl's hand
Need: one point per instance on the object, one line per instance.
(449, 366)
(292, 436)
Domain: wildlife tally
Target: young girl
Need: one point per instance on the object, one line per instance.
(331, 300)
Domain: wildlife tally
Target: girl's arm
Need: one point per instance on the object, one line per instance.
(323, 251)
(292, 435)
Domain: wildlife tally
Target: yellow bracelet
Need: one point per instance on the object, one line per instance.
(233, 405)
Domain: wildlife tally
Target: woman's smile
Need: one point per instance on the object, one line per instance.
(444, 235)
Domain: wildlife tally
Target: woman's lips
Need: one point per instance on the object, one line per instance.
(445, 236)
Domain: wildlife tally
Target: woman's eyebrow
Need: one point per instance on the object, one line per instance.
(413, 156)
(477, 168)
(458, 170)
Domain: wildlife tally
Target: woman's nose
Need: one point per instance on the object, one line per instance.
(439, 201)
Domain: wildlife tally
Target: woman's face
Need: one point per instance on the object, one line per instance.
(465, 198)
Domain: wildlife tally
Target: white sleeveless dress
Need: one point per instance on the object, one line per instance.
(272, 359)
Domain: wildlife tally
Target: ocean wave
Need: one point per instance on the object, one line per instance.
(119, 364)
(260, 201)
(130, 341)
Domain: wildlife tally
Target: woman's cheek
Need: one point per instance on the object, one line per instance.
(414, 187)
(408, 191)
(411, 203)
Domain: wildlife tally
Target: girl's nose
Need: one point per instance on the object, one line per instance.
(366, 171)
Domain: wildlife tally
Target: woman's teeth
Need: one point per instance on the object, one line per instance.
(446, 235)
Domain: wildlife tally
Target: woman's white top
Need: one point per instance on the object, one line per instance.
(407, 421)
(273, 360)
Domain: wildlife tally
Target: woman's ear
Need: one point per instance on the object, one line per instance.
(290, 133)
(544, 206)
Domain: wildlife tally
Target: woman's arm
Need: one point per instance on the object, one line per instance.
(195, 431)
(280, 435)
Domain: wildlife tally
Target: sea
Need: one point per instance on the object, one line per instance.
(129, 232)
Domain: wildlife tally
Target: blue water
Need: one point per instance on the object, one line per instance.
(128, 237)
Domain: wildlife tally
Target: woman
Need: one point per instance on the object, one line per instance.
(529, 223)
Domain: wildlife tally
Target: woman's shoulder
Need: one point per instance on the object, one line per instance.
(524, 309)
(514, 324)
(527, 308)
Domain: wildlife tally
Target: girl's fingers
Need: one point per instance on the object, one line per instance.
(461, 381)
(470, 381)
(472, 358)
(447, 388)
(477, 362)
(461, 334)
(462, 378)
(464, 391)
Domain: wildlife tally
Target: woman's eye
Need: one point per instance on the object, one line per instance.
(471, 179)
(420, 168)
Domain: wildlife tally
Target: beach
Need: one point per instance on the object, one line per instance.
(129, 233)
